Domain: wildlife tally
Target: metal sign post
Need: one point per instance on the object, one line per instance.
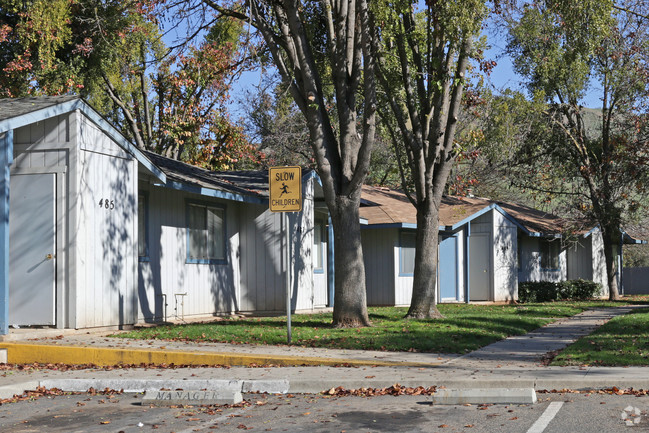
(285, 195)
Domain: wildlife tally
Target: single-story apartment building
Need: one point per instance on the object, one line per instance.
(96, 232)
(486, 248)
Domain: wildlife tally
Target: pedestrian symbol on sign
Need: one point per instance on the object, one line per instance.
(284, 189)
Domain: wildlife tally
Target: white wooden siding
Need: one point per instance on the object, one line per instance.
(531, 262)
(505, 270)
(302, 278)
(580, 259)
(381, 257)
(42, 144)
(599, 261)
(105, 238)
(262, 276)
(203, 288)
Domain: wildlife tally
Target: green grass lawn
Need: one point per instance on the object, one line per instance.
(624, 340)
(463, 329)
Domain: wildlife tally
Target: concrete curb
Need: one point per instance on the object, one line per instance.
(449, 392)
(8, 391)
(26, 353)
(485, 396)
(144, 385)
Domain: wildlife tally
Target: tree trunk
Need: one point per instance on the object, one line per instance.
(424, 298)
(609, 258)
(350, 305)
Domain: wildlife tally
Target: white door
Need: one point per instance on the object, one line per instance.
(480, 264)
(32, 248)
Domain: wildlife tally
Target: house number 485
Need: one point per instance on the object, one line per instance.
(107, 204)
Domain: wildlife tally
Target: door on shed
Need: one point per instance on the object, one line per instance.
(448, 268)
(480, 264)
(32, 248)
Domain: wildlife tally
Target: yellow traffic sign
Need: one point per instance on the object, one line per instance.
(285, 186)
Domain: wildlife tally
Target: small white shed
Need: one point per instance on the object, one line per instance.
(71, 220)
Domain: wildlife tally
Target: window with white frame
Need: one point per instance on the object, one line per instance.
(407, 242)
(550, 251)
(142, 226)
(206, 233)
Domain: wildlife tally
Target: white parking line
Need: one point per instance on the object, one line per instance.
(546, 417)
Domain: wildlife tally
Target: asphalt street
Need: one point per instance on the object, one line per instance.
(553, 413)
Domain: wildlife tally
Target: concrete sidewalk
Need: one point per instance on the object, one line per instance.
(511, 363)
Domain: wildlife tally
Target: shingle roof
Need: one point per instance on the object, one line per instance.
(240, 182)
(17, 107)
(243, 182)
(387, 206)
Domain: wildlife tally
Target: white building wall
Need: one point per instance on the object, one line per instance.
(189, 289)
(504, 253)
(302, 278)
(531, 269)
(105, 232)
(263, 285)
(580, 259)
(598, 260)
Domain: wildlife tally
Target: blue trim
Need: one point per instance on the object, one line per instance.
(456, 295)
(591, 231)
(627, 239)
(208, 192)
(40, 115)
(82, 106)
(401, 248)
(312, 175)
(471, 217)
(205, 204)
(391, 226)
(331, 268)
(6, 158)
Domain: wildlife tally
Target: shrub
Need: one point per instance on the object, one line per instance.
(581, 289)
(548, 291)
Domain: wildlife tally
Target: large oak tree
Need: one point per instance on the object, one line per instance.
(323, 53)
(425, 51)
(594, 160)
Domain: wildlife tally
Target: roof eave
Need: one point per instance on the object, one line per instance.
(78, 104)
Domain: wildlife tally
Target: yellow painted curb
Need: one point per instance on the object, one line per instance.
(24, 353)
